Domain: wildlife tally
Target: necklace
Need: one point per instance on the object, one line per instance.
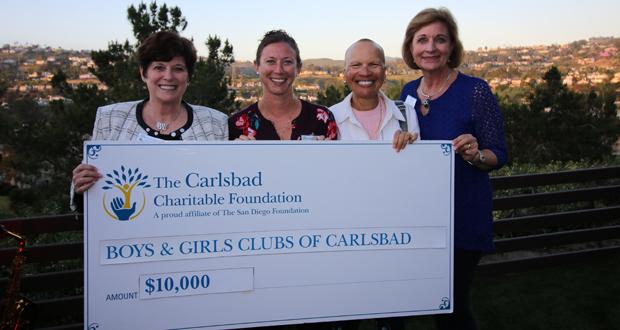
(375, 135)
(429, 97)
(372, 134)
(162, 126)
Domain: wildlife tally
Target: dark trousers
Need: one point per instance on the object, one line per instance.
(391, 323)
(465, 263)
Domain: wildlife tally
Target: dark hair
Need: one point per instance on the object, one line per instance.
(163, 46)
(273, 37)
(424, 18)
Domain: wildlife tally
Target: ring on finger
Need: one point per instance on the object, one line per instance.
(468, 146)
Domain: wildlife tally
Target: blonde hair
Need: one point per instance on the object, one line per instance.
(424, 18)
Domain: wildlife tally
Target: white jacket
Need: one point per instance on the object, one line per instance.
(349, 128)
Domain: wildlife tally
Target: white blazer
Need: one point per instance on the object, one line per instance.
(349, 128)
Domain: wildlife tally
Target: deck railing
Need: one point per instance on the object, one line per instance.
(541, 219)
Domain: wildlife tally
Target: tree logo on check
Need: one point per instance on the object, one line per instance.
(123, 184)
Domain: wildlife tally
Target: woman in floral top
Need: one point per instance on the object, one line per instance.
(280, 115)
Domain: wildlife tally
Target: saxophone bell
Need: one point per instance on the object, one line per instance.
(16, 307)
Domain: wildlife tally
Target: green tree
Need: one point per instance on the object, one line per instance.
(46, 141)
(3, 87)
(332, 95)
(59, 82)
(209, 85)
(561, 125)
(118, 68)
(145, 21)
(393, 88)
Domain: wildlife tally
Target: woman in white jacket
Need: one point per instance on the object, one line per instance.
(367, 113)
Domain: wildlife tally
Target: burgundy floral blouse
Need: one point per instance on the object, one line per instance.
(313, 120)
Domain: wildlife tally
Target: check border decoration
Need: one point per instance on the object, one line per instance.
(92, 151)
(447, 148)
(445, 303)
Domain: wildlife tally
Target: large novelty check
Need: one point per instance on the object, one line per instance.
(232, 235)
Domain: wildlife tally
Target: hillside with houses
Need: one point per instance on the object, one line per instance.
(584, 64)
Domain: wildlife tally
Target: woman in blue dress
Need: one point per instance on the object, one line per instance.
(453, 106)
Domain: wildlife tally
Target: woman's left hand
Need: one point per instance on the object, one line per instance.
(245, 138)
(401, 139)
(466, 145)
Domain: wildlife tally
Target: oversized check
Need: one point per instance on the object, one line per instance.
(238, 234)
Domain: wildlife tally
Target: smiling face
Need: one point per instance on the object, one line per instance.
(166, 81)
(365, 70)
(277, 68)
(431, 47)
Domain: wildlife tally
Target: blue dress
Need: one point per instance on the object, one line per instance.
(468, 106)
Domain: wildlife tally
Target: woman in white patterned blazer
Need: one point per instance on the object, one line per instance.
(167, 63)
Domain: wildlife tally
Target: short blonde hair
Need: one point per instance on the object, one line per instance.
(424, 18)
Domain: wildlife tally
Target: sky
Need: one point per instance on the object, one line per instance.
(322, 28)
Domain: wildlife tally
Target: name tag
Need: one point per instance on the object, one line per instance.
(411, 100)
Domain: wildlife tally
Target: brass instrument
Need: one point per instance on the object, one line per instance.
(15, 306)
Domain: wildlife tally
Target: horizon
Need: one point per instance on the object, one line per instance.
(28, 44)
(481, 24)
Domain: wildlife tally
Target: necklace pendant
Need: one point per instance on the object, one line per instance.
(425, 103)
(161, 126)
